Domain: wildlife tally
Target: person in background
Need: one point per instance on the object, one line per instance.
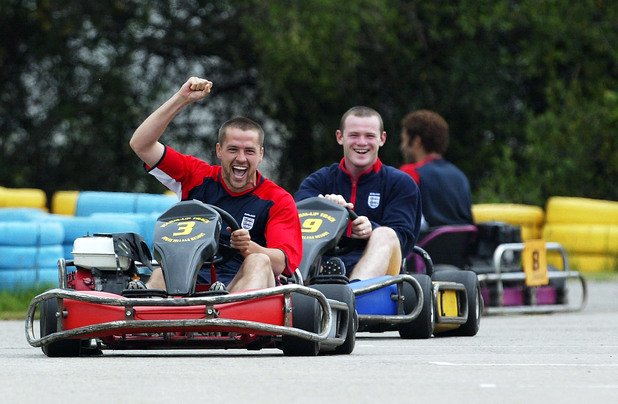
(445, 189)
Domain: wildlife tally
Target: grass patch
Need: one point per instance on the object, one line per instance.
(14, 303)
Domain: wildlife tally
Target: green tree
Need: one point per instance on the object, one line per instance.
(84, 75)
(528, 87)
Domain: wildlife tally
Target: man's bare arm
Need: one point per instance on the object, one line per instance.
(145, 140)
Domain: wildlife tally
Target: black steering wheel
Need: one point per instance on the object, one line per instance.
(225, 252)
(343, 250)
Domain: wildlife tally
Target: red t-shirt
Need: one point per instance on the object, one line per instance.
(267, 210)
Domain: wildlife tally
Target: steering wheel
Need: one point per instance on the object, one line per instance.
(225, 252)
(343, 250)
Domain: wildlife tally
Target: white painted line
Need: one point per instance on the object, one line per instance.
(487, 385)
(540, 345)
(577, 365)
(599, 386)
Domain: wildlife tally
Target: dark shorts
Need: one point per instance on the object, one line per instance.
(225, 272)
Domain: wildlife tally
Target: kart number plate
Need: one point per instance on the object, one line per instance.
(535, 263)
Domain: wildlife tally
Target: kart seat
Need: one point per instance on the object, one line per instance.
(323, 224)
(446, 245)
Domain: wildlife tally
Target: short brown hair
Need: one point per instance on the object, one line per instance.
(241, 123)
(430, 126)
(361, 111)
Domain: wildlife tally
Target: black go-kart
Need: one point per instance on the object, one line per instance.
(515, 276)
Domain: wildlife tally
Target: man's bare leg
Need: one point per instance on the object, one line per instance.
(254, 273)
(156, 280)
(382, 256)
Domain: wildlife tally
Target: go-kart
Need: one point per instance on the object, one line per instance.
(92, 310)
(515, 276)
(417, 305)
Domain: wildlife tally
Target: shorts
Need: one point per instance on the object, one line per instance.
(225, 272)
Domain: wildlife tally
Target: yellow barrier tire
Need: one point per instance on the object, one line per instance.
(562, 209)
(23, 197)
(508, 212)
(64, 202)
(593, 263)
(584, 238)
(528, 217)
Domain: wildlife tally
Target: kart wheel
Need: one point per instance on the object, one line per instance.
(422, 326)
(48, 323)
(475, 301)
(305, 316)
(344, 294)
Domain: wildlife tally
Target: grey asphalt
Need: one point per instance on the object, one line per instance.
(542, 358)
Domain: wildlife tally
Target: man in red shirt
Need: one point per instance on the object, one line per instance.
(269, 241)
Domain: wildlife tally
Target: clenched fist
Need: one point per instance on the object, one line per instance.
(196, 88)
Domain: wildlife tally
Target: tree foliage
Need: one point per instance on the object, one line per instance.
(528, 87)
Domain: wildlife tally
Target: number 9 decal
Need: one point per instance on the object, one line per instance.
(311, 225)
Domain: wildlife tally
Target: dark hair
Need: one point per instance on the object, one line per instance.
(241, 123)
(361, 111)
(430, 126)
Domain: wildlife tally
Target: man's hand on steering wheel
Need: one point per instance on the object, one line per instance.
(240, 240)
(338, 199)
(361, 228)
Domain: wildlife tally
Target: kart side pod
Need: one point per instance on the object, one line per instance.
(380, 300)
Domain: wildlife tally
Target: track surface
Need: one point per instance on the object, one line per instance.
(546, 358)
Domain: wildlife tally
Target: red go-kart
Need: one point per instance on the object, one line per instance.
(92, 310)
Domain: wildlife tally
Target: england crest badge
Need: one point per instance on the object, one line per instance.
(373, 200)
(247, 221)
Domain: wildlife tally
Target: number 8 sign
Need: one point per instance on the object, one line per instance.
(535, 263)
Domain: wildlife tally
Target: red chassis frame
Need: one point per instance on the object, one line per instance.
(225, 321)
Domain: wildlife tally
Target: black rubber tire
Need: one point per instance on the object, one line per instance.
(48, 323)
(422, 326)
(475, 301)
(344, 294)
(305, 316)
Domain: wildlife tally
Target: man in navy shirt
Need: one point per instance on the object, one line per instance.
(269, 241)
(445, 190)
(386, 200)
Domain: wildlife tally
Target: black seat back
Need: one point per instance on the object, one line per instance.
(446, 245)
(323, 223)
(186, 236)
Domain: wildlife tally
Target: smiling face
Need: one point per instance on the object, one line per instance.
(361, 139)
(240, 154)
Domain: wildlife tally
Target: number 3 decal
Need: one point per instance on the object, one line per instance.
(184, 228)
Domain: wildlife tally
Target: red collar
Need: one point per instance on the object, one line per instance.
(374, 168)
(426, 160)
